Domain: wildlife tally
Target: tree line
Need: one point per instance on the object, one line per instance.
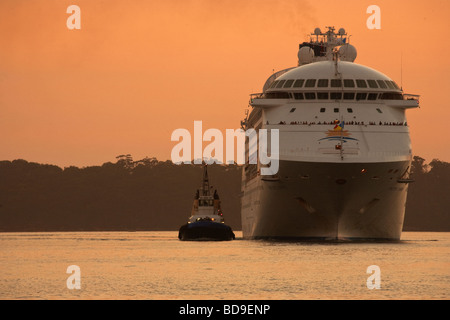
(148, 194)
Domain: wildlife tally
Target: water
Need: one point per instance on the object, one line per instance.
(156, 265)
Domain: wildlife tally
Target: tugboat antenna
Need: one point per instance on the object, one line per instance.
(205, 185)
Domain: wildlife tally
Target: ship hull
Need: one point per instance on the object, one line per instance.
(326, 201)
(205, 231)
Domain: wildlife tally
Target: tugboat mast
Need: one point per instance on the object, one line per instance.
(205, 184)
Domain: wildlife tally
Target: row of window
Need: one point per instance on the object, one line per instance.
(334, 83)
(336, 110)
(357, 123)
(349, 110)
(333, 95)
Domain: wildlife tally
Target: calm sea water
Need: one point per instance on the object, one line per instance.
(156, 265)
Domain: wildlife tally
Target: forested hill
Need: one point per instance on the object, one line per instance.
(428, 202)
(126, 195)
(155, 195)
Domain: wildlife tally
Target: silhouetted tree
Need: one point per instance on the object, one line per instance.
(125, 160)
(418, 165)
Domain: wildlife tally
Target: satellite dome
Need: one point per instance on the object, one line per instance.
(347, 53)
(305, 55)
(341, 31)
(317, 31)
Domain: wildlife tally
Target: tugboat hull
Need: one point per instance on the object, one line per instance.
(206, 231)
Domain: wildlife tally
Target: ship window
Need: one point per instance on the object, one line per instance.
(292, 110)
(349, 83)
(274, 84)
(349, 95)
(277, 95)
(389, 84)
(206, 203)
(349, 110)
(322, 95)
(372, 96)
(298, 95)
(391, 96)
(336, 110)
(310, 95)
(280, 84)
(336, 83)
(322, 83)
(310, 83)
(299, 83)
(361, 83)
(335, 95)
(395, 85)
(382, 84)
(372, 83)
(379, 110)
(322, 110)
(288, 83)
(361, 96)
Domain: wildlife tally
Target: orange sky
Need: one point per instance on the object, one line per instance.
(137, 70)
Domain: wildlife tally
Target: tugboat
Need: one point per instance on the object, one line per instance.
(206, 221)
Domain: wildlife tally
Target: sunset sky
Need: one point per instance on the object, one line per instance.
(138, 70)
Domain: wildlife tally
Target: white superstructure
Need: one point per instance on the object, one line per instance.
(345, 151)
(206, 206)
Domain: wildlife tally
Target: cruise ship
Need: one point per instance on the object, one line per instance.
(344, 148)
